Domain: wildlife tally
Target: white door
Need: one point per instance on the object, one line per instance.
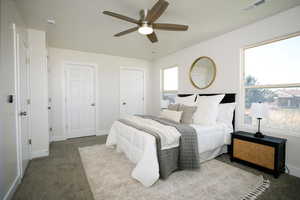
(80, 100)
(131, 92)
(23, 101)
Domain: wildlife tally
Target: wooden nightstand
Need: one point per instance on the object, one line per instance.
(267, 154)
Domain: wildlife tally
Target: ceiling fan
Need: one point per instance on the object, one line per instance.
(146, 24)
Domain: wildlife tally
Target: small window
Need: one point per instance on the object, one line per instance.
(169, 85)
(272, 76)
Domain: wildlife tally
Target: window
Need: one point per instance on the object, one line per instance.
(272, 76)
(169, 85)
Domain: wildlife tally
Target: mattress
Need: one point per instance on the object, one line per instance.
(212, 137)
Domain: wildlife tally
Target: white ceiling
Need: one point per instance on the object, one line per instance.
(81, 26)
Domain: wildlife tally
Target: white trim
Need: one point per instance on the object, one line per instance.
(276, 39)
(39, 154)
(170, 91)
(295, 171)
(12, 189)
(241, 99)
(144, 80)
(97, 133)
(102, 132)
(58, 138)
(17, 105)
(288, 85)
(162, 91)
(162, 79)
(16, 181)
(96, 93)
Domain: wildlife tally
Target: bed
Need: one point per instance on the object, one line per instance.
(141, 149)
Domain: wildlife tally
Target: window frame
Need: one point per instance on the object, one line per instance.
(241, 107)
(162, 80)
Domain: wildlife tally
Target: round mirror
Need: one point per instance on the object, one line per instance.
(203, 72)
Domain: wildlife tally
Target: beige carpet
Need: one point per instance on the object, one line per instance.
(108, 174)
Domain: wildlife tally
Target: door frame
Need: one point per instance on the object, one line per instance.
(16, 35)
(144, 88)
(64, 93)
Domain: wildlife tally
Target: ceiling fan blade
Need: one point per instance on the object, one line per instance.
(152, 37)
(170, 27)
(122, 17)
(157, 10)
(126, 31)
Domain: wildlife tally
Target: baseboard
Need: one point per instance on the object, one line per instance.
(12, 189)
(295, 171)
(38, 154)
(102, 132)
(63, 138)
(58, 138)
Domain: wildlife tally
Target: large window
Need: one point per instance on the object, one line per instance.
(272, 76)
(169, 85)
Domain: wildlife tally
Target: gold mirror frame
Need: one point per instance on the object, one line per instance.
(214, 74)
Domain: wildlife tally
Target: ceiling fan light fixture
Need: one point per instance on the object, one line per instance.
(146, 24)
(145, 29)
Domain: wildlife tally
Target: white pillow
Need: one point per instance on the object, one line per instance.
(207, 109)
(171, 115)
(225, 114)
(188, 101)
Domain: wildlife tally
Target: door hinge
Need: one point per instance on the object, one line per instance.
(29, 141)
(50, 129)
(67, 126)
(28, 101)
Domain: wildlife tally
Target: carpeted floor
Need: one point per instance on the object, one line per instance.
(108, 173)
(61, 176)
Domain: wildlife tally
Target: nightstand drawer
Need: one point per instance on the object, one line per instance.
(255, 153)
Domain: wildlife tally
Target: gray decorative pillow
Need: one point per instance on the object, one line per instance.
(173, 107)
(187, 113)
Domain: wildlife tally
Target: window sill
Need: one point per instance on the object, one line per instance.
(271, 132)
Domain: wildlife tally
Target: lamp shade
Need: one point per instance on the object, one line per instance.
(259, 110)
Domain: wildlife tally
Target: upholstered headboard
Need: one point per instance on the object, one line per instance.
(228, 98)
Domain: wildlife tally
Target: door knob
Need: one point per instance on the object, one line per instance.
(124, 103)
(24, 113)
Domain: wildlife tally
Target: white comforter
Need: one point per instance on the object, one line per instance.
(140, 147)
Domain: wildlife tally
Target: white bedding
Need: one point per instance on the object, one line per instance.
(212, 137)
(140, 147)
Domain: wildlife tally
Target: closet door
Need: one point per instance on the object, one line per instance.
(131, 92)
(80, 100)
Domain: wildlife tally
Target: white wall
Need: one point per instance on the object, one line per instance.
(225, 51)
(9, 173)
(108, 86)
(38, 93)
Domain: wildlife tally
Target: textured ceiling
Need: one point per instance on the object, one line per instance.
(81, 26)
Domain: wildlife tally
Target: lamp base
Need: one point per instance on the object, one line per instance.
(259, 135)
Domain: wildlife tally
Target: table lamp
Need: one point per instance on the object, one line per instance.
(259, 111)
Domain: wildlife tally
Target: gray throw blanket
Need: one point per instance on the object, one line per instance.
(186, 156)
